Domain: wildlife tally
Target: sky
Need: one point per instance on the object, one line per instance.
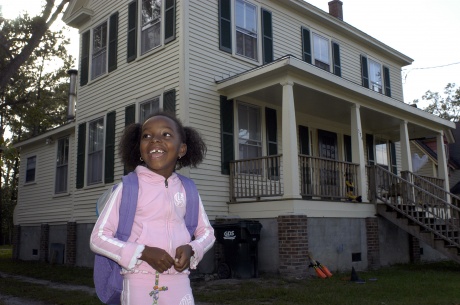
(424, 30)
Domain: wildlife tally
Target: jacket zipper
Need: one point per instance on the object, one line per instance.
(168, 231)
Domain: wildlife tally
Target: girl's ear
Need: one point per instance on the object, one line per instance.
(182, 150)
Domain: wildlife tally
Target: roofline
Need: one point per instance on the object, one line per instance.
(67, 126)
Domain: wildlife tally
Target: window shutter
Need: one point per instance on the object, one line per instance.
(394, 166)
(81, 149)
(336, 57)
(370, 149)
(271, 129)
(364, 72)
(109, 148)
(84, 68)
(170, 20)
(227, 145)
(347, 144)
(225, 26)
(267, 34)
(132, 31)
(386, 78)
(113, 42)
(169, 101)
(130, 114)
(304, 139)
(306, 45)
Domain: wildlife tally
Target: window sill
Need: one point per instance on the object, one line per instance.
(30, 183)
(61, 195)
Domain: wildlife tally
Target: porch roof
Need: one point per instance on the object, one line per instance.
(327, 97)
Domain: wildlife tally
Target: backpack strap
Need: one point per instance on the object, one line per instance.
(192, 205)
(128, 206)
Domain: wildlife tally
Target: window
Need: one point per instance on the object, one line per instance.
(30, 169)
(148, 107)
(372, 76)
(246, 29)
(375, 76)
(381, 152)
(99, 50)
(95, 151)
(62, 162)
(99, 55)
(157, 25)
(249, 132)
(321, 52)
(150, 25)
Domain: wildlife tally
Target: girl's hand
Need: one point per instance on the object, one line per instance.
(183, 255)
(158, 258)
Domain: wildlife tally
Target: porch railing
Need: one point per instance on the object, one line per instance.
(256, 178)
(328, 179)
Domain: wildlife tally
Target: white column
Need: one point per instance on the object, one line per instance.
(442, 160)
(406, 159)
(357, 150)
(289, 138)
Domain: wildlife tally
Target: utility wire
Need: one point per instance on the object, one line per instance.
(426, 68)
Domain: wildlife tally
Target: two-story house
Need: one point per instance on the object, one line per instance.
(302, 113)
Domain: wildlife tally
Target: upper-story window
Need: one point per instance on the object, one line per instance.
(62, 165)
(246, 32)
(99, 50)
(156, 25)
(321, 52)
(30, 169)
(147, 107)
(375, 76)
(246, 29)
(321, 56)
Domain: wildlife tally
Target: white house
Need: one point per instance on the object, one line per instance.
(301, 112)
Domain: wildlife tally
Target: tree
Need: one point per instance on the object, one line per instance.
(13, 58)
(447, 106)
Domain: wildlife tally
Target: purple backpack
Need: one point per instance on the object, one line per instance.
(107, 273)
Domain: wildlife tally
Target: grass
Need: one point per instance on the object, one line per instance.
(413, 284)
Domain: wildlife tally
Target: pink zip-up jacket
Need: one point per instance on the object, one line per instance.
(159, 222)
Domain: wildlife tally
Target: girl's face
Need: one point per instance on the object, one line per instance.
(161, 145)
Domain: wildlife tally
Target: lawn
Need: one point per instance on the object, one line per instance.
(410, 284)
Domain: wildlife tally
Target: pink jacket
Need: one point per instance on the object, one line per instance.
(159, 222)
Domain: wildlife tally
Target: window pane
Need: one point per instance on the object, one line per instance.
(30, 170)
(95, 150)
(62, 166)
(375, 76)
(321, 52)
(250, 139)
(381, 155)
(246, 29)
(151, 25)
(99, 56)
(149, 107)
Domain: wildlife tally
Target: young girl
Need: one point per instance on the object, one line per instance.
(157, 255)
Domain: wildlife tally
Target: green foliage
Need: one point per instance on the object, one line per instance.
(447, 106)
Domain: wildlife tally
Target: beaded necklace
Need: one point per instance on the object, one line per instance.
(156, 289)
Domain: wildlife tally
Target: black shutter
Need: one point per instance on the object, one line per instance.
(347, 144)
(304, 140)
(170, 20)
(113, 42)
(271, 129)
(84, 66)
(370, 149)
(225, 26)
(81, 150)
(267, 34)
(227, 145)
(109, 148)
(306, 45)
(364, 72)
(130, 114)
(394, 166)
(336, 58)
(169, 101)
(386, 78)
(132, 31)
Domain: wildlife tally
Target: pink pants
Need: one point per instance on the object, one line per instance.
(137, 289)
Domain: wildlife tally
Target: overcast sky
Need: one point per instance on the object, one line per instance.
(425, 30)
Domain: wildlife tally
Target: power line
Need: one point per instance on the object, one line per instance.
(426, 68)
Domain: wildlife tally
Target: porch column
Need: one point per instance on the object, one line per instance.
(406, 160)
(290, 152)
(442, 160)
(357, 151)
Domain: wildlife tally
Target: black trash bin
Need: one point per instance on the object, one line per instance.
(239, 240)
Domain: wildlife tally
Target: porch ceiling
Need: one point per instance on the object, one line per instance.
(329, 98)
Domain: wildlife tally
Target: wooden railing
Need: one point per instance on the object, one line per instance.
(325, 178)
(256, 178)
(427, 208)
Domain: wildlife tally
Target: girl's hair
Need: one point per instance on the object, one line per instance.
(130, 141)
